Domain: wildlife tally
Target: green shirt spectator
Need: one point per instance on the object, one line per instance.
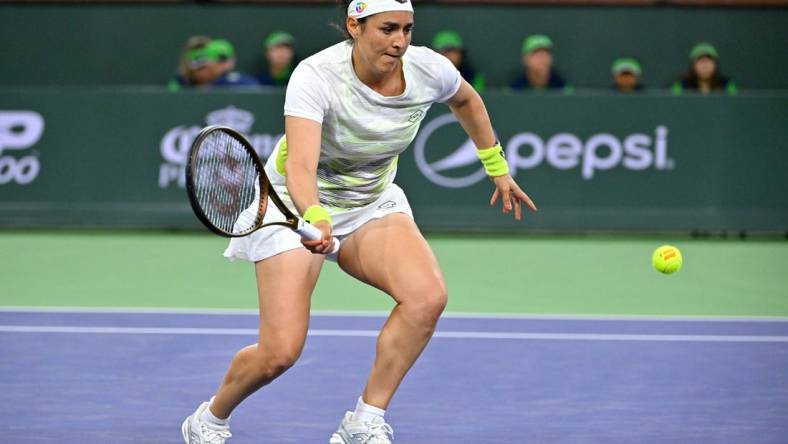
(279, 53)
(450, 45)
(704, 74)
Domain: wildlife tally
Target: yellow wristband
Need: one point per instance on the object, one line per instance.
(493, 160)
(316, 213)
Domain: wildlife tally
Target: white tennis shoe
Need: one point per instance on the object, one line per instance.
(196, 431)
(356, 432)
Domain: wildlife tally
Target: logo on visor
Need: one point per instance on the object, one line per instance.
(360, 7)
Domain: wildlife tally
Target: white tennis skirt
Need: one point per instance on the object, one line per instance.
(270, 241)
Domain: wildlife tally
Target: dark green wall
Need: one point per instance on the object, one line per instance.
(126, 44)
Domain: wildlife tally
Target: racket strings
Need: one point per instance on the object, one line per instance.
(227, 187)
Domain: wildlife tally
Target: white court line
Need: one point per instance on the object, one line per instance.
(339, 313)
(374, 333)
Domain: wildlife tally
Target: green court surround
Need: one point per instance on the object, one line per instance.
(517, 274)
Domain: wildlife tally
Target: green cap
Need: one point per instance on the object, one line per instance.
(277, 38)
(703, 49)
(198, 57)
(537, 41)
(626, 64)
(220, 49)
(447, 40)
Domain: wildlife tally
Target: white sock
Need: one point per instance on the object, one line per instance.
(365, 412)
(210, 418)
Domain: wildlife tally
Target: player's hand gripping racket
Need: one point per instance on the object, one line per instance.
(229, 190)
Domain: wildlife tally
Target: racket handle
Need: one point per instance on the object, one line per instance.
(309, 232)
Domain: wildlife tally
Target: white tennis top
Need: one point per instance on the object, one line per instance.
(363, 132)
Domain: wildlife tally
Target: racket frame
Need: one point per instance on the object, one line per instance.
(191, 188)
(267, 191)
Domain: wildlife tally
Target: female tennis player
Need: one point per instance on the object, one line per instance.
(350, 110)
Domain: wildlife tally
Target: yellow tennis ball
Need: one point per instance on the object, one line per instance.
(667, 259)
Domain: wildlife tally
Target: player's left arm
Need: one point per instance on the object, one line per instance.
(470, 111)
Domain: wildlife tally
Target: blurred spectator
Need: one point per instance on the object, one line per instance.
(205, 62)
(626, 75)
(224, 53)
(449, 43)
(704, 74)
(280, 57)
(195, 68)
(537, 60)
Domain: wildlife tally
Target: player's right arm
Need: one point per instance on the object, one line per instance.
(303, 154)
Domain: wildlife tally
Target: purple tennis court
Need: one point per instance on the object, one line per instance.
(115, 377)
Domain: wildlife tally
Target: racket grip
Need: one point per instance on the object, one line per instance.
(309, 232)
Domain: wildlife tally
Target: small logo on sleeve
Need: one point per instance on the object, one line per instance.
(388, 204)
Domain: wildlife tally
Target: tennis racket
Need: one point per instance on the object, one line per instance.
(229, 190)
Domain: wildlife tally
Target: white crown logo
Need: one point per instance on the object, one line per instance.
(233, 117)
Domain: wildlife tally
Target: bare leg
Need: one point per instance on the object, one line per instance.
(392, 255)
(285, 283)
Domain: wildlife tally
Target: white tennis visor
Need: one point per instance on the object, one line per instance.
(364, 8)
